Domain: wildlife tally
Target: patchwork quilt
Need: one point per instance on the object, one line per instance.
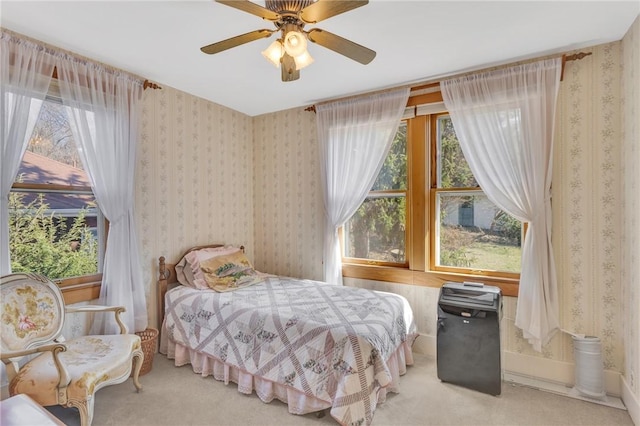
(329, 342)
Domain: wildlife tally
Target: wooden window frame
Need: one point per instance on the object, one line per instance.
(420, 253)
(407, 232)
(434, 190)
(373, 262)
(74, 289)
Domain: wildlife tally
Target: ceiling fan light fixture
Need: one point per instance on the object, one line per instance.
(274, 53)
(295, 43)
(289, 52)
(303, 60)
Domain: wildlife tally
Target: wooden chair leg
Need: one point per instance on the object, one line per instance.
(138, 357)
(85, 408)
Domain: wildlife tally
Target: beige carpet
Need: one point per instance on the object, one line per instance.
(177, 396)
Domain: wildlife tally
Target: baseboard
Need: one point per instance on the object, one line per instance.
(631, 401)
(425, 345)
(559, 389)
(552, 371)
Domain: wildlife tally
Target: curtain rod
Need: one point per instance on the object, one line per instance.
(376, 92)
(432, 83)
(150, 85)
(574, 57)
(146, 84)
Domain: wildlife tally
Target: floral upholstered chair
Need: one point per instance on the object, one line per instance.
(66, 373)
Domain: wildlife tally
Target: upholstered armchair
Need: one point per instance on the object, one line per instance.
(66, 373)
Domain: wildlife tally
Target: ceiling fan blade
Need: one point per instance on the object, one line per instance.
(250, 7)
(323, 9)
(341, 45)
(235, 41)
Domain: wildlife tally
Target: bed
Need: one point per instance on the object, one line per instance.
(311, 345)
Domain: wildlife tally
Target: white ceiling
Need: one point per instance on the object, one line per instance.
(415, 41)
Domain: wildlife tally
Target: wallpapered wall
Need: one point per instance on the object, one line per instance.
(209, 174)
(289, 212)
(631, 208)
(194, 180)
(586, 203)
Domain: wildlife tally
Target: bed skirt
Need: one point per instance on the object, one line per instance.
(297, 402)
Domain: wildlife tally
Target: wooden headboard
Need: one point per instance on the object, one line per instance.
(167, 277)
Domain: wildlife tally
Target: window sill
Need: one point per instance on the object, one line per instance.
(80, 290)
(508, 286)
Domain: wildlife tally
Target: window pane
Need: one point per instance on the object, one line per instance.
(453, 170)
(377, 230)
(393, 174)
(54, 234)
(57, 233)
(52, 156)
(473, 233)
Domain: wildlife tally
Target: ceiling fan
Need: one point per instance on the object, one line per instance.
(289, 17)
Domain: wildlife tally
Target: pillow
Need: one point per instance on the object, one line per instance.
(188, 270)
(229, 272)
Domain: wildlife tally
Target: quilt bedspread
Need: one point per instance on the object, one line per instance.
(329, 342)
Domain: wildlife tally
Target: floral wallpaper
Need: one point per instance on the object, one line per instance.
(586, 203)
(630, 246)
(288, 207)
(287, 173)
(194, 180)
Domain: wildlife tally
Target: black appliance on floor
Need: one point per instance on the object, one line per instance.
(468, 337)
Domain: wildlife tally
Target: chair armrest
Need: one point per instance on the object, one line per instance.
(117, 310)
(92, 308)
(8, 357)
(24, 352)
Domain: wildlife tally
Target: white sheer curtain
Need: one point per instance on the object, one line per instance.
(504, 121)
(355, 136)
(25, 74)
(103, 112)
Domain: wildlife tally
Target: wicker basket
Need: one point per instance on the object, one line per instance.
(148, 338)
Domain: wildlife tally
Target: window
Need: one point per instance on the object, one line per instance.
(377, 231)
(471, 234)
(426, 220)
(55, 226)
